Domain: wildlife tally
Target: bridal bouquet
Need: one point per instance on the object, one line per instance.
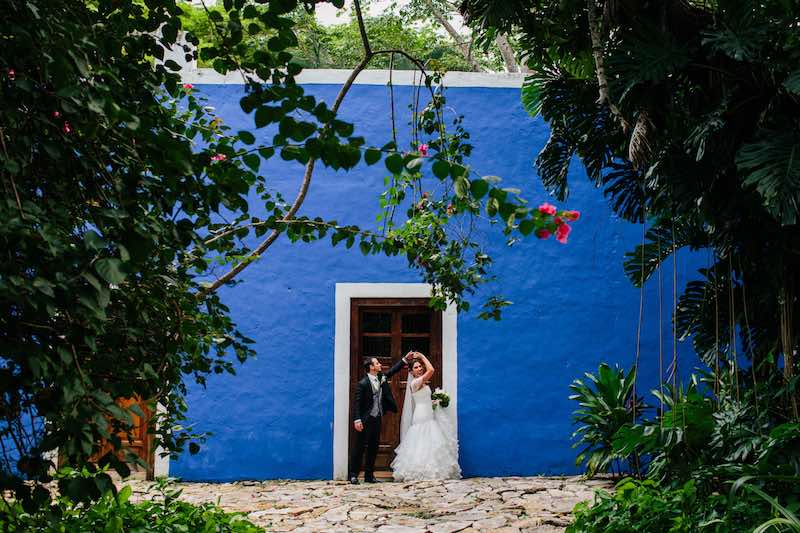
(440, 399)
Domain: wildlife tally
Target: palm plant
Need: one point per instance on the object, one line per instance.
(683, 113)
(606, 404)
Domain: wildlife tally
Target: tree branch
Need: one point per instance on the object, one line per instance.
(597, 53)
(457, 37)
(301, 194)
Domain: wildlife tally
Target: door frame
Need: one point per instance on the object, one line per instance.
(341, 368)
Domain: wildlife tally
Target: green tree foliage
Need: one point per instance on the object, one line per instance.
(126, 204)
(694, 132)
(685, 115)
(339, 45)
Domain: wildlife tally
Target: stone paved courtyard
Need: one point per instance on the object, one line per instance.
(532, 504)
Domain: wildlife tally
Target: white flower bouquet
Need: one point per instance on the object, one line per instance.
(440, 399)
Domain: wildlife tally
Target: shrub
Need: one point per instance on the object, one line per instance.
(606, 404)
(644, 506)
(114, 513)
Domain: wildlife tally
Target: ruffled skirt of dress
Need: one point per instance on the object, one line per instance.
(429, 451)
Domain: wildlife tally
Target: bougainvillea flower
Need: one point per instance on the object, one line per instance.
(188, 86)
(543, 233)
(562, 232)
(547, 209)
(67, 128)
(12, 74)
(558, 221)
(56, 114)
(572, 215)
(423, 149)
(219, 157)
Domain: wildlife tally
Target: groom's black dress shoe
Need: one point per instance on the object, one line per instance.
(370, 480)
(354, 480)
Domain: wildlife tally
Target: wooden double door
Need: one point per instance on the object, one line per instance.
(388, 329)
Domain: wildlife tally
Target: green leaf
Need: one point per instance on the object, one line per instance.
(93, 240)
(479, 187)
(394, 163)
(252, 161)
(441, 169)
(527, 226)
(415, 163)
(372, 156)
(110, 270)
(462, 187)
(247, 137)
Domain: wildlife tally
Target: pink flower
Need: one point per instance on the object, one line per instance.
(12, 74)
(558, 221)
(219, 157)
(67, 128)
(572, 215)
(562, 232)
(188, 86)
(543, 233)
(547, 209)
(423, 149)
(56, 114)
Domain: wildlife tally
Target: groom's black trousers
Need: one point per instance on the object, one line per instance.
(369, 439)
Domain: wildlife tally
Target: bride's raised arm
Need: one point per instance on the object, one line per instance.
(429, 370)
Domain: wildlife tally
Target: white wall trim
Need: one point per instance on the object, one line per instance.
(366, 77)
(341, 371)
(160, 464)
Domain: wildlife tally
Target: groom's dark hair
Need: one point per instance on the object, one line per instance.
(367, 362)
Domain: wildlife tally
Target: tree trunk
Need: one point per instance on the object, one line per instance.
(457, 37)
(597, 52)
(507, 52)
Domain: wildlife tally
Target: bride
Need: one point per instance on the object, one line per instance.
(428, 443)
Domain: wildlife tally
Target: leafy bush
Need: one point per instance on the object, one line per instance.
(644, 506)
(606, 405)
(677, 440)
(114, 513)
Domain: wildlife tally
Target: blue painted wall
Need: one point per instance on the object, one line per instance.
(573, 309)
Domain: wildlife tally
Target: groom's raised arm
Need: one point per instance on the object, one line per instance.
(397, 366)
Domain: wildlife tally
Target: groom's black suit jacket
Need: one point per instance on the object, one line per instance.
(364, 395)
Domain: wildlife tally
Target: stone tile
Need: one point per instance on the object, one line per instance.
(507, 505)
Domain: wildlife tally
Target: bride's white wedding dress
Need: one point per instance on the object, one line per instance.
(428, 442)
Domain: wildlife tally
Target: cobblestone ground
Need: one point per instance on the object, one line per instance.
(533, 504)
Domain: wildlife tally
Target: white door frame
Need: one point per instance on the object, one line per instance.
(341, 368)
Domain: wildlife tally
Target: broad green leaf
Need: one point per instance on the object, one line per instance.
(372, 156)
(479, 187)
(110, 270)
(394, 163)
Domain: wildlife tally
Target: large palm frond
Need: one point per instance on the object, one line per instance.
(771, 164)
(661, 241)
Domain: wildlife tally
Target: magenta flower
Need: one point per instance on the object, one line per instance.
(572, 215)
(56, 114)
(188, 86)
(562, 232)
(543, 233)
(12, 74)
(67, 128)
(423, 149)
(547, 209)
(219, 157)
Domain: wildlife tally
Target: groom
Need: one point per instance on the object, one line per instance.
(373, 398)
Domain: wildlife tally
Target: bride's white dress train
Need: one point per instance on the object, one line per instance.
(428, 443)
